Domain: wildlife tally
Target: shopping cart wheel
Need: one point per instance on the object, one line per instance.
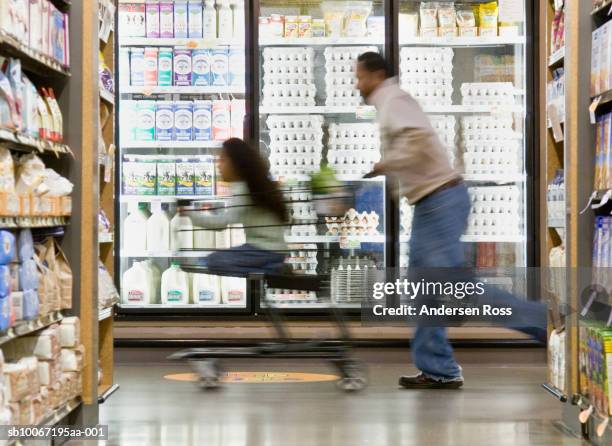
(209, 374)
(354, 376)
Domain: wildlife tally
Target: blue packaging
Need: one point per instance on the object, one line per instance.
(5, 281)
(28, 275)
(183, 120)
(202, 120)
(31, 305)
(5, 313)
(164, 120)
(219, 66)
(180, 19)
(195, 19)
(137, 67)
(236, 67)
(200, 65)
(25, 245)
(7, 247)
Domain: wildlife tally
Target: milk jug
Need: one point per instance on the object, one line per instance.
(158, 230)
(206, 289)
(181, 229)
(222, 239)
(154, 274)
(209, 20)
(134, 238)
(136, 287)
(174, 286)
(226, 20)
(239, 19)
(203, 238)
(233, 290)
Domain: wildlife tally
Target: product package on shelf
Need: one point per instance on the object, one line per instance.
(427, 74)
(288, 77)
(340, 65)
(595, 365)
(555, 198)
(603, 155)
(445, 127)
(353, 223)
(488, 93)
(495, 211)
(351, 278)
(353, 149)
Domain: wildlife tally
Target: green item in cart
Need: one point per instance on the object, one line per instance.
(325, 181)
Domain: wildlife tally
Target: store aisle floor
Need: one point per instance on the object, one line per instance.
(501, 403)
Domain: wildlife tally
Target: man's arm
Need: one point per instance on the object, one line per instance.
(404, 150)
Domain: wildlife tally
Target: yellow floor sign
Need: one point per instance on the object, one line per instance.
(259, 377)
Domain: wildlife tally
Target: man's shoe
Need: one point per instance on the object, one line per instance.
(422, 381)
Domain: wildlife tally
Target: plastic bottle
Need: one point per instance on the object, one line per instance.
(209, 20)
(206, 289)
(239, 19)
(134, 238)
(233, 290)
(154, 274)
(136, 286)
(226, 21)
(158, 230)
(181, 229)
(174, 286)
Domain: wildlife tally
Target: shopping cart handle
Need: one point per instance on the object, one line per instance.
(293, 282)
(372, 174)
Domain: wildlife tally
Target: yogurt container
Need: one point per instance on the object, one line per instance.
(194, 9)
(137, 67)
(164, 121)
(164, 67)
(219, 66)
(180, 19)
(150, 66)
(182, 67)
(152, 19)
(200, 61)
(183, 120)
(145, 124)
(202, 120)
(221, 129)
(166, 20)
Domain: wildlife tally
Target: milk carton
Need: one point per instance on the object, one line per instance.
(238, 110)
(180, 19)
(144, 170)
(183, 121)
(200, 61)
(152, 16)
(124, 66)
(182, 67)
(219, 66)
(194, 9)
(131, 20)
(166, 175)
(221, 120)
(202, 120)
(184, 177)
(128, 114)
(164, 67)
(237, 67)
(204, 174)
(145, 125)
(164, 120)
(137, 66)
(166, 20)
(150, 66)
(128, 175)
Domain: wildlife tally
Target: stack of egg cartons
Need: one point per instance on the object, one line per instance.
(288, 77)
(427, 74)
(296, 144)
(488, 93)
(340, 65)
(354, 148)
(444, 125)
(495, 211)
(491, 146)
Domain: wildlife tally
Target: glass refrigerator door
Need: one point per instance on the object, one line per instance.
(465, 64)
(182, 93)
(311, 115)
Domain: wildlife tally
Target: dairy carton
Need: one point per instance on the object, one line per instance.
(237, 68)
(221, 120)
(152, 22)
(219, 66)
(195, 10)
(128, 114)
(202, 120)
(184, 177)
(150, 66)
(145, 124)
(164, 121)
(128, 175)
(124, 66)
(166, 175)
(137, 67)
(180, 19)
(166, 20)
(238, 110)
(164, 67)
(183, 120)
(182, 67)
(144, 175)
(200, 61)
(132, 19)
(204, 174)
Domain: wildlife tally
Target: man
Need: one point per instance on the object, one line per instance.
(415, 157)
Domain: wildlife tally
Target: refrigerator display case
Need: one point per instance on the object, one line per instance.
(311, 115)
(181, 93)
(466, 63)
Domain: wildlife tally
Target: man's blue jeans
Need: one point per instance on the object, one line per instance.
(439, 221)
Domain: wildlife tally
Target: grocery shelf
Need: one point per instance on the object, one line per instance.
(493, 178)
(461, 41)
(556, 57)
(184, 306)
(107, 96)
(105, 313)
(431, 109)
(314, 41)
(468, 109)
(31, 59)
(32, 222)
(605, 5)
(27, 143)
(105, 237)
(165, 254)
(314, 109)
(481, 238)
(335, 238)
(147, 91)
(27, 327)
(172, 145)
(189, 43)
(168, 198)
(308, 305)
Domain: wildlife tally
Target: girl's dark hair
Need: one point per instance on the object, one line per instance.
(254, 171)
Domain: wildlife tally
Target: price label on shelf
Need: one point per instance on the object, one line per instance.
(365, 112)
(349, 243)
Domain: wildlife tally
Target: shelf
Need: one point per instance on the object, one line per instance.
(165, 254)
(27, 327)
(432, 109)
(189, 43)
(32, 222)
(171, 145)
(168, 198)
(147, 91)
(493, 178)
(26, 143)
(105, 313)
(315, 41)
(106, 391)
(468, 109)
(605, 97)
(308, 305)
(606, 4)
(459, 41)
(315, 109)
(105, 237)
(31, 59)
(556, 57)
(107, 96)
(492, 238)
(335, 239)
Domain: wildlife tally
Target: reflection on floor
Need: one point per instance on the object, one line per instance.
(502, 403)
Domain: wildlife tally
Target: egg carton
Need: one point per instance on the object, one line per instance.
(492, 147)
(289, 91)
(288, 136)
(493, 225)
(353, 169)
(339, 80)
(431, 98)
(479, 164)
(278, 296)
(288, 102)
(354, 145)
(434, 75)
(346, 53)
(353, 130)
(288, 54)
(302, 213)
(298, 161)
(429, 55)
(353, 157)
(282, 172)
(288, 79)
(287, 150)
(294, 121)
(498, 194)
(488, 93)
(443, 122)
(344, 102)
(487, 123)
(302, 231)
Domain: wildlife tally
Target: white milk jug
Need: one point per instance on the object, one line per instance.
(226, 20)
(154, 279)
(158, 230)
(181, 232)
(233, 290)
(174, 286)
(206, 289)
(209, 20)
(134, 238)
(136, 286)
